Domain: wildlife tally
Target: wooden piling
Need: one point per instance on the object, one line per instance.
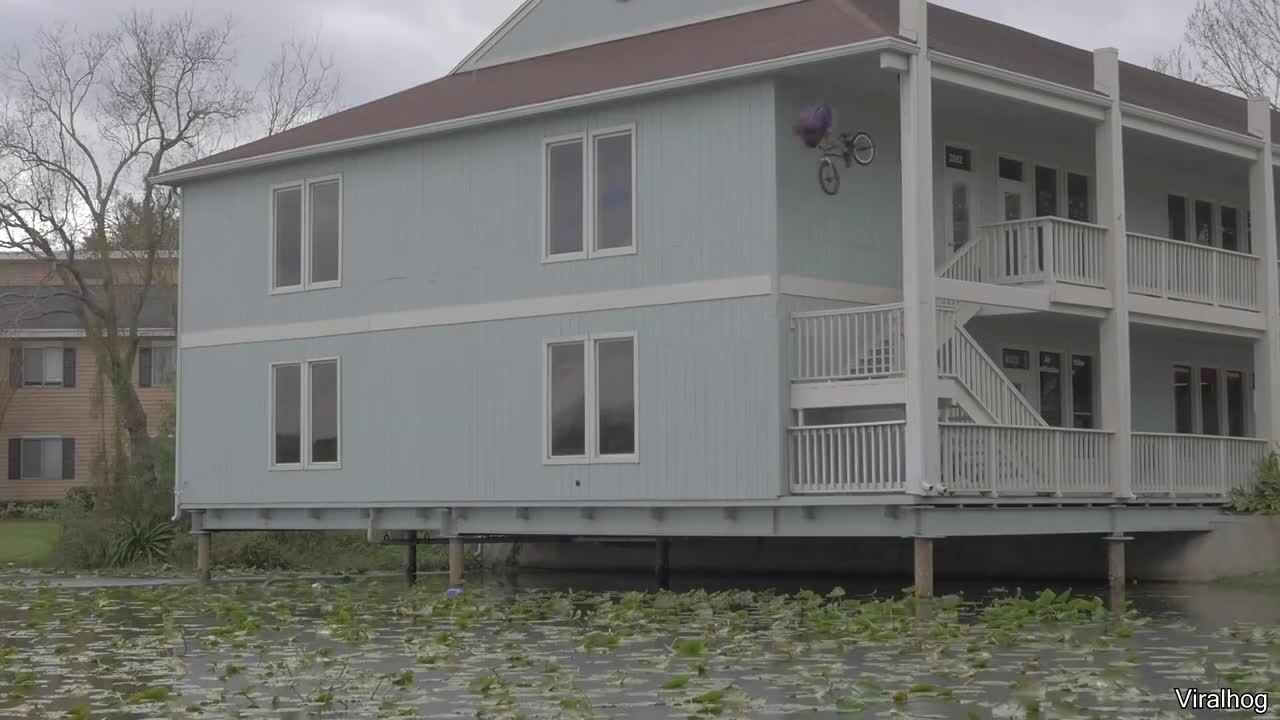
(411, 556)
(662, 563)
(204, 557)
(1116, 572)
(456, 561)
(924, 567)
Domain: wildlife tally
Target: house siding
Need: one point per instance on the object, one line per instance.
(83, 412)
(455, 414)
(457, 220)
(855, 236)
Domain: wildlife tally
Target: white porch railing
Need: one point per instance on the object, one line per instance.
(848, 458)
(1032, 251)
(1196, 273)
(849, 344)
(1001, 460)
(1180, 465)
(962, 358)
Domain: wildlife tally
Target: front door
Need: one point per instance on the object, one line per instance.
(1013, 194)
(1016, 363)
(957, 179)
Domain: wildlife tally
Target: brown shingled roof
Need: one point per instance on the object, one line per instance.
(727, 42)
(713, 45)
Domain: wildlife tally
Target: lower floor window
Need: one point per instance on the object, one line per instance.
(44, 458)
(1217, 403)
(305, 414)
(591, 398)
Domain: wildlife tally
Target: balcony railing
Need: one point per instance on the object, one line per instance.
(1044, 249)
(1002, 460)
(1194, 465)
(838, 459)
(849, 344)
(1195, 273)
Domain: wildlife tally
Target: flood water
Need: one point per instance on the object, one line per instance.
(557, 646)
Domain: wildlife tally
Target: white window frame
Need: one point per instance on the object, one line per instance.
(590, 178)
(590, 394)
(304, 186)
(596, 136)
(44, 348)
(304, 426)
(1223, 411)
(44, 437)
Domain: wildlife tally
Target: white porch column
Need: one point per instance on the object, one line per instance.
(1115, 379)
(1262, 203)
(918, 266)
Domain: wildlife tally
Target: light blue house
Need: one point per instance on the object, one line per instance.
(592, 283)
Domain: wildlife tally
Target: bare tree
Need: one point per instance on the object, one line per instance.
(1233, 45)
(90, 117)
(300, 85)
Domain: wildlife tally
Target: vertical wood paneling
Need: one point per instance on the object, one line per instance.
(455, 413)
(457, 219)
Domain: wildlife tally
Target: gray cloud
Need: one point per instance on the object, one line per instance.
(382, 46)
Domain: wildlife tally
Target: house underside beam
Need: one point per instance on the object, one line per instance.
(782, 520)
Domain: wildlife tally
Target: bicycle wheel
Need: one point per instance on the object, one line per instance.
(828, 176)
(863, 149)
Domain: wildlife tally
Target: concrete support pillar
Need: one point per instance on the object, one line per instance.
(204, 557)
(919, 268)
(1114, 374)
(662, 563)
(457, 561)
(1262, 213)
(411, 556)
(1116, 572)
(924, 568)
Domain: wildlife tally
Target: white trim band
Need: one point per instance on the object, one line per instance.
(701, 291)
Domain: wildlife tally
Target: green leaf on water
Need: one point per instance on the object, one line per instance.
(676, 683)
(155, 694)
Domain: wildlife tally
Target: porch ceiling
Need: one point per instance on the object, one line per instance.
(968, 105)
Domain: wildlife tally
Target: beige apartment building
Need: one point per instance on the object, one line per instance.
(56, 416)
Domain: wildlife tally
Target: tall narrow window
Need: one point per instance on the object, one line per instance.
(1230, 227)
(1082, 392)
(288, 237)
(961, 214)
(1046, 191)
(1209, 409)
(614, 192)
(1236, 404)
(1204, 222)
(1051, 388)
(324, 411)
(566, 182)
(326, 221)
(1078, 197)
(567, 426)
(615, 378)
(286, 393)
(1182, 415)
(1177, 218)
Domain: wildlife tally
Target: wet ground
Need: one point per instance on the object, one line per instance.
(608, 647)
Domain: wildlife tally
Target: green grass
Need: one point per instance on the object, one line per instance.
(27, 543)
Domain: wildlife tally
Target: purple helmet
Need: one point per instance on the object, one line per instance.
(814, 124)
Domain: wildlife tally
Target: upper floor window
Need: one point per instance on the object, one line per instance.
(306, 235)
(157, 364)
(42, 458)
(589, 194)
(305, 414)
(591, 399)
(42, 365)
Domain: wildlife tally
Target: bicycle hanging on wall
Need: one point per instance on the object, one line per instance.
(817, 128)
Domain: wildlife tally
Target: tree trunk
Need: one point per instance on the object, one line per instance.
(134, 419)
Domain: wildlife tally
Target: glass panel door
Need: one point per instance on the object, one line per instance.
(1051, 388)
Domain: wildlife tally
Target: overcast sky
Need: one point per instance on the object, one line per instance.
(386, 45)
